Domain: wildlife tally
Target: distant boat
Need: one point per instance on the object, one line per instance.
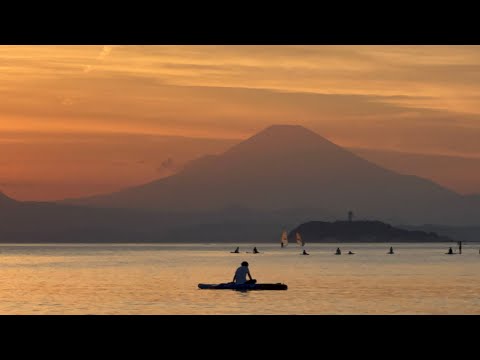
(284, 240)
(299, 239)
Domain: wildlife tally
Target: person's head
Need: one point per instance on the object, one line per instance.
(244, 263)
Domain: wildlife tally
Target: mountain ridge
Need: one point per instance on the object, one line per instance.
(291, 163)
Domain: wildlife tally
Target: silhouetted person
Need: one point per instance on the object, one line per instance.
(391, 250)
(281, 244)
(237, 250)
(255, 251)
(240, 276)
(351, 253)
(305, 253)
(450, 251)
(459, 247)
(338, 252)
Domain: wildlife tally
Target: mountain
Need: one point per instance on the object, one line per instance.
(44, 222)
(446, 170)
(290, 167)
(31, 222)
(360, 231)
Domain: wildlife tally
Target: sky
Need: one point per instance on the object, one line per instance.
(83, 120)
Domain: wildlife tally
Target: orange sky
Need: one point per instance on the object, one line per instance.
(79, 120)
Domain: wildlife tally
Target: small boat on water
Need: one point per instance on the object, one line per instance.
(301, 242)
(299, 239)
(284, 239)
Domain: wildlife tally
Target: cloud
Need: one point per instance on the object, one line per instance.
(168, 166)
(67, 101)
(106, 50)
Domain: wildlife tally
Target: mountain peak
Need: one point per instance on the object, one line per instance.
(281, 138)
(279, 129)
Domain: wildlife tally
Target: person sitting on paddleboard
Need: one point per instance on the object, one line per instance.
(255, 251)
(240, 276)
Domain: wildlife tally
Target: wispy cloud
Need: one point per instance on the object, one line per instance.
(106, 50)
(104, 53)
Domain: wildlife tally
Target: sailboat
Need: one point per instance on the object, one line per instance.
(284, 240)
(299, 239)
(301, 242)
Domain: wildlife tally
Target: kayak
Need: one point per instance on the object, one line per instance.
(232, 286)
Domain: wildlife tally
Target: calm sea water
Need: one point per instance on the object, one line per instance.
(163, 278)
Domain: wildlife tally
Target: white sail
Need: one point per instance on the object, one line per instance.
(284, 240)
(299, 239)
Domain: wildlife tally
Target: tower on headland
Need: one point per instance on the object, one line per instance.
(350, 216)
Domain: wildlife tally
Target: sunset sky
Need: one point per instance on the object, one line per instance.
(82, 120)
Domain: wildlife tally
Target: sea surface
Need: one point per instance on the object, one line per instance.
(163, 279)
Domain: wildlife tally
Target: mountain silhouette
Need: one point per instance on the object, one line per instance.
(31, 222)
(290, 167)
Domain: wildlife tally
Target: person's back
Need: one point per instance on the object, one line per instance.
(338, 251)
(241, 274)
(450, 251)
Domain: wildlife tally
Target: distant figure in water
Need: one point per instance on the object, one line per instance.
(240, 276)
(338, 252)
(391, 251)
(237, 250)
(351, 253)
(450, 251)
(305, 253)
(281, 244)
(255, 251)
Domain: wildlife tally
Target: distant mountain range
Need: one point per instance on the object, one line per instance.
(279, 178)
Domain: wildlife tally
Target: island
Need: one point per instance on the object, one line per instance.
(361, 231)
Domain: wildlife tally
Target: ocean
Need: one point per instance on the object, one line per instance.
(163, 279)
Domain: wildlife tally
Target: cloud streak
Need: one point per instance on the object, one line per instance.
(104, 53)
